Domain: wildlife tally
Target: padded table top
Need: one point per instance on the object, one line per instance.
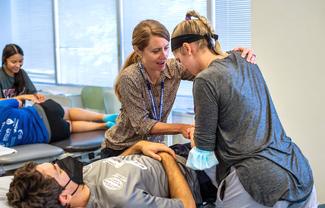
(81, 142)
(78, 142)
(30, 152)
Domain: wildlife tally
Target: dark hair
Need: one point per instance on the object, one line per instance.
(29, 188)
(140, 39)
(8, 51)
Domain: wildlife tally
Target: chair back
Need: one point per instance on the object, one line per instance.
(92, 98)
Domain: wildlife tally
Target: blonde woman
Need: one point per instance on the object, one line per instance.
(237, 127)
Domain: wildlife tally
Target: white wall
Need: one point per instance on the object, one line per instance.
(289, 40)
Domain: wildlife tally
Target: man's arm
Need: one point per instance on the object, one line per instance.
(178, 186)
(149, 149)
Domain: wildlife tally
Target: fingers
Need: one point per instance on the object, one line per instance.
(20, 103)
(188, 131)
(154, 156)
(170, 151)
(245, 52)
(164, 148)
(248, 53)
(152, 150)
(40, 97)
(186, 135)
(238, 49)
(253, 59)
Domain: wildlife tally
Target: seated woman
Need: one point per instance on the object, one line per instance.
(14, 80)
(45, 122)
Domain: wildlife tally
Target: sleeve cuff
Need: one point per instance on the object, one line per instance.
(201, 159)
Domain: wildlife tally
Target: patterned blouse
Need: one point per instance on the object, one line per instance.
(135, 121)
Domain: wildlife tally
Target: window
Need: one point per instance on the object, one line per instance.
(87, 42)
(77, 42)
(29, 24)
(233, 23)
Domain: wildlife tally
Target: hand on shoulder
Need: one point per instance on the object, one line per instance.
(248, 53)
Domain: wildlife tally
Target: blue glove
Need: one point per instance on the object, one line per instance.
(201, 159)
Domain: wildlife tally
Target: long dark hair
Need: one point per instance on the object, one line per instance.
(8, 51)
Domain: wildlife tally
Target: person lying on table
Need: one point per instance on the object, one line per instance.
(45, 122)
(128, 180)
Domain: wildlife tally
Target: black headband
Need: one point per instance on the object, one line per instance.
(178, 41)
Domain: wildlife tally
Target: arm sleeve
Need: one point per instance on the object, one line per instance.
(9, 103)
(206, 114)
(30, 88)
(141, 198)
(133, 102)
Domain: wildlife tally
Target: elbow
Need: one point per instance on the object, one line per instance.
(145, 128)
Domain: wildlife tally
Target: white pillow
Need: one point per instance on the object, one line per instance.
(4, 187)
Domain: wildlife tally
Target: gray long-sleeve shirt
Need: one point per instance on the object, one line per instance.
(235, 116)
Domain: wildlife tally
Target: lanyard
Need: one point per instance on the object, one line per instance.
(153, 102)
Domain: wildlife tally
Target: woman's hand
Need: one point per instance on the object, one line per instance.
(30, 97)
(20, 103)
(248, 53)
(40, 97)
(184, 129)
(191, 136)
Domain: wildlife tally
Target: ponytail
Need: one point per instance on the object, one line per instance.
(131, 59)
(199, 26)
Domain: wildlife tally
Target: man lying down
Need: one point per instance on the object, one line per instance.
(129, 180)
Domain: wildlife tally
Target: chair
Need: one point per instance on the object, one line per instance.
(100, 99)
(112, 104)
(93, 98)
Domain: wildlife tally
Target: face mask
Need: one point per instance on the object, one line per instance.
(73, 168)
